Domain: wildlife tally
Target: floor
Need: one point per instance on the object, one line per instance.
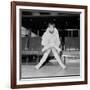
(51, 69)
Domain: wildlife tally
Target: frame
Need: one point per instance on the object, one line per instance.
(71, 21)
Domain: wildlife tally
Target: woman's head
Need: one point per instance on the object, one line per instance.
(51, 26)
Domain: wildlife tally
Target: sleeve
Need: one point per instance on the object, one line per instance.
(58, 42)
(44, 41)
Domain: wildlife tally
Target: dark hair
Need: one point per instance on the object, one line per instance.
(51, 23)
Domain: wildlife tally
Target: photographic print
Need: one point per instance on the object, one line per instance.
(49, 44)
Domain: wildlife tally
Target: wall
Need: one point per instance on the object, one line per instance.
(5, 44)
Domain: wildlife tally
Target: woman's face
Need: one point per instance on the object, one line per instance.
(51, 28)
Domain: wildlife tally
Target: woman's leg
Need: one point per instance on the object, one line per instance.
(58, 58)
(43, 59)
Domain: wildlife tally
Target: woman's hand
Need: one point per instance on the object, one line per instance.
(57, 48)
(46, 48)
(50, 46)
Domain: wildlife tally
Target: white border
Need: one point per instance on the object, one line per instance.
(50, 80)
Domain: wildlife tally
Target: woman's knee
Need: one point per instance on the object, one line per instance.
(47, 52)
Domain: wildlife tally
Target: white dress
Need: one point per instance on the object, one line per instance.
(51, 39)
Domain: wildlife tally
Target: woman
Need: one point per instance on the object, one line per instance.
(51, 43)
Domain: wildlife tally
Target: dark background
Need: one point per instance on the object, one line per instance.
(38, 20)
